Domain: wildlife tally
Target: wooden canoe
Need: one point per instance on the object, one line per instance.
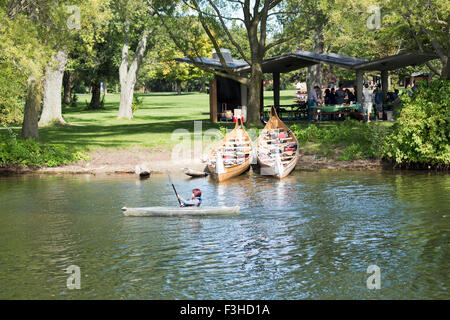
(232, 155)
(179, 212)
(277, 157)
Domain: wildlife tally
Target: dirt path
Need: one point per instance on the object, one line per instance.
(125, 160)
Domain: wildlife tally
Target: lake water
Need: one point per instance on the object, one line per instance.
(310, 236)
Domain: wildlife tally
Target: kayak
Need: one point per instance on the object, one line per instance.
(179, 211)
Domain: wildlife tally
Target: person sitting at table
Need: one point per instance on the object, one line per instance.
(340, 94)
(327, 97)
(332, 97)
(313, 100)
(350, 96)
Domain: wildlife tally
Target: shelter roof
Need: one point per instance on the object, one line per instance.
(300, 59)
(396, 61)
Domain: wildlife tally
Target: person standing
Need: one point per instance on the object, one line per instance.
(340, 94)
(367, 98)
(379, 102)
(313, 100)
(409, 91)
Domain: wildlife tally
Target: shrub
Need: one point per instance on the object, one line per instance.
(360, 140)
(31, 153)
(420, 138)
(137, 103)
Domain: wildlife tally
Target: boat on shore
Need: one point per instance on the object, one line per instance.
(179, 211)
(194, 173)
(232, 155)
(277, 148)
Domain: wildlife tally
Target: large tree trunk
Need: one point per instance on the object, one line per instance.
(67, 84)
(256, 77)
(254, 95)
(314, 76)
(54, 72)
(178, 83)
(30, 128)
(128, 74)
(95, 98)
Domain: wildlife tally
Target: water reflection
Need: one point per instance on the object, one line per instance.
(312, 235)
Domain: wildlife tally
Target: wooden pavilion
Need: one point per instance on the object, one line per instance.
(227, 94)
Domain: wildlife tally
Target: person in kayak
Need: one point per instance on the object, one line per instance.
(196, 200)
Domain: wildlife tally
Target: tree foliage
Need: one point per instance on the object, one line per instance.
(421, 135)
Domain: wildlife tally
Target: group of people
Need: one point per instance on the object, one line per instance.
(340, 96)
(372, 98)
(331, 97)
(376, 98)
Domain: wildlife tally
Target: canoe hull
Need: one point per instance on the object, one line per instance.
(269, 170)
(179, 212)
(231, 172)
(234, 170)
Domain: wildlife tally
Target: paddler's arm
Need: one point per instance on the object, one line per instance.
(190, 203)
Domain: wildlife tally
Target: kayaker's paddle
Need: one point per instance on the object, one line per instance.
(170, 180)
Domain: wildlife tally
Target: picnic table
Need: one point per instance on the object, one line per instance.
(293, 111)
(335, 109)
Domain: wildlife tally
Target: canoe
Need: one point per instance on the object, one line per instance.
(179, 212)
(232, 155)
(277, 148)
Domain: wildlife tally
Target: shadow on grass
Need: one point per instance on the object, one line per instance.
(106, 136)
(168, 94)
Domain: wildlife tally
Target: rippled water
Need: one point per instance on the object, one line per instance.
(310, 236)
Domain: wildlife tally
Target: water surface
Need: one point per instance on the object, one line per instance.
(310, 236)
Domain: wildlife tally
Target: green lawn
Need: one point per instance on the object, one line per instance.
(152, 125)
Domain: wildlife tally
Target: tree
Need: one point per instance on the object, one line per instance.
(27, 44)
(260, 18)
(53, 79)
(93, 58)
(84, 45)
(428, 25)
(160, 61)
(136, 28)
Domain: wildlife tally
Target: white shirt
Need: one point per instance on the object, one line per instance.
(367, 94)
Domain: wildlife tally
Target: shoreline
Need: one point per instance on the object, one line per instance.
(158, 161)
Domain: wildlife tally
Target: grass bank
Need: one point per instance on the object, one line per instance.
(162, 113)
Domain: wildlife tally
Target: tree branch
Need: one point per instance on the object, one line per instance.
(230, 37)
(200, 65)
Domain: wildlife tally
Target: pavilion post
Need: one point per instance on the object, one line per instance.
(213, 108)
(385, 83)
(359, 85)
(276, 89)
(261, 103)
